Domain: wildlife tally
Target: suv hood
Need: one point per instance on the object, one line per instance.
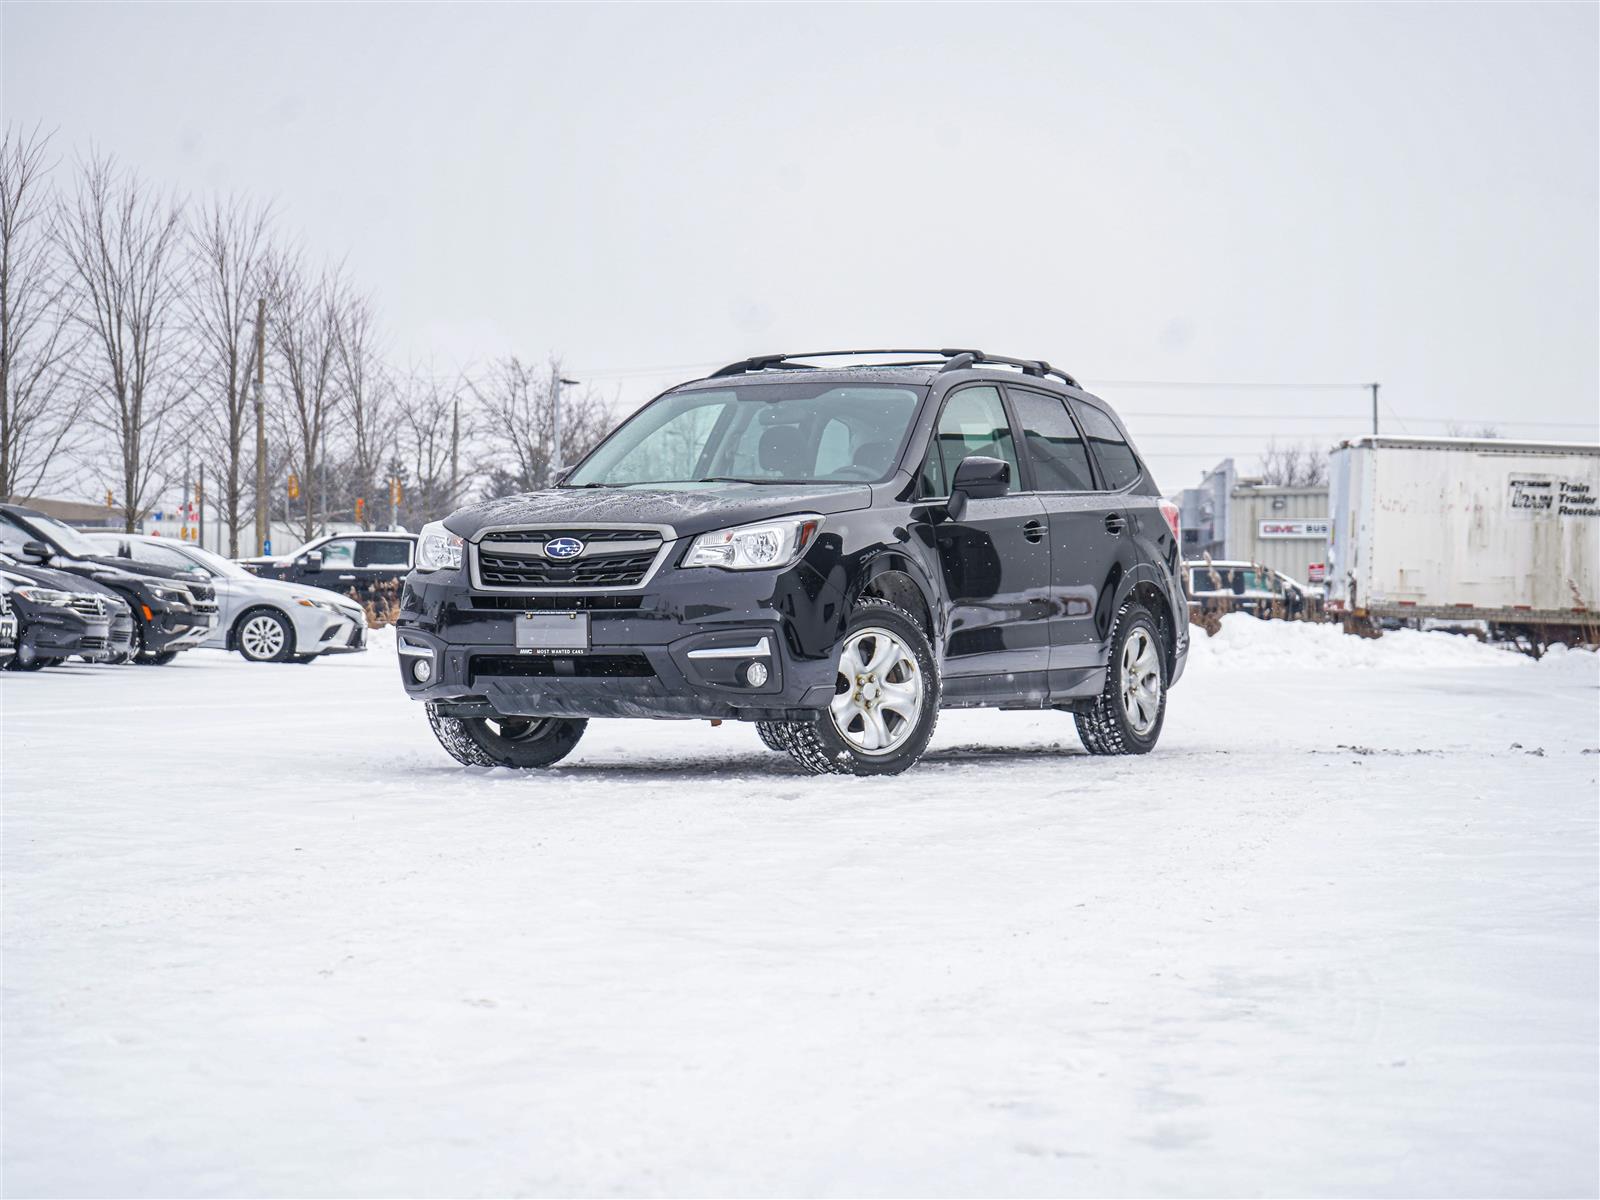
(689, 508)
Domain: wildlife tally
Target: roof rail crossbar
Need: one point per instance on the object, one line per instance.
(953, 360)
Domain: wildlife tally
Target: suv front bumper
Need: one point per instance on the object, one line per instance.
(665, 652)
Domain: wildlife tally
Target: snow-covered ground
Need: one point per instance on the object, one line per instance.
(1337, 936)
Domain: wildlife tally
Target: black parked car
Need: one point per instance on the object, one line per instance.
(54, 623)
(118, 646)
(353, 564)
(834, 553)
(170, 612)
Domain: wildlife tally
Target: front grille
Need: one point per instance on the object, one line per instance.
(577, 666)
(558, 603)
(514, 558)
(205, 597)
(89, 606)
(91, 643)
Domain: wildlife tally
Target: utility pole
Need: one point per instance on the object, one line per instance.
(555, 402)
(455, 451)
(1374, 388)
(263, 497)
(200, 506)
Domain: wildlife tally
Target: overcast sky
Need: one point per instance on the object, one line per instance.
(1205, 193)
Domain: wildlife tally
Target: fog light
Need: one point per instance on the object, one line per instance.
(755, 674)
(422, 670)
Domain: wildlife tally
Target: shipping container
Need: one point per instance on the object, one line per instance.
(1500, 531)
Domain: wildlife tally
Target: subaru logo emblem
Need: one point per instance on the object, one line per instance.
(563, 547)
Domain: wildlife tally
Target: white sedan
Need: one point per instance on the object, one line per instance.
(266, 620)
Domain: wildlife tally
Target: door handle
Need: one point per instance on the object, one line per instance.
(1115, 523)
(1034, 531)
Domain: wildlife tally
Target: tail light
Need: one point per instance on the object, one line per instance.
(1172, 513)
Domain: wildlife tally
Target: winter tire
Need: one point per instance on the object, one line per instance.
(264, 635)
(522, 742)
(886, 698)
(1126, 717)
(774, 735)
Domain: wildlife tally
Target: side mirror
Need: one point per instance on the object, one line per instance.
(36, 552)
(978, 478)
(314, 561)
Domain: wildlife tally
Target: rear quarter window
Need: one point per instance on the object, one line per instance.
(1118, 464)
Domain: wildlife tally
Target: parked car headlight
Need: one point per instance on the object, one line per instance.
(759, 547)
(173, 595)
(308, 602)
(46, 596)
(437, 548)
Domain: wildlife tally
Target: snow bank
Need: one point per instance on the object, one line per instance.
(1245, 643)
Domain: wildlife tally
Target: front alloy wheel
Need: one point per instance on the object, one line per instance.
(885, 698)
(265, 636)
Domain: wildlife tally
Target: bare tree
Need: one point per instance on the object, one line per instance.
(121, 242)
(38, 407)
(519, 421)
(429, 443)
(1456, 429)
(1302, 466)
(229, 248)
(370, 408)
(303, 353)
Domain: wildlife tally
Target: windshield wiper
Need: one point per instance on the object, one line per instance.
(736, 479)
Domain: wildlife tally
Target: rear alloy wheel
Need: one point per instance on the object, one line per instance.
(522, 742)
(265, 636)
(1126, 717)
(885, 702)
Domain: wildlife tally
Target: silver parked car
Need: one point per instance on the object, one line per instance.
(266, 620)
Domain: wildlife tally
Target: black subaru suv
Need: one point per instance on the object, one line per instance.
(833, 552)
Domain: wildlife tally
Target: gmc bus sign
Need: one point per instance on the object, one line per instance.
(1305, 527)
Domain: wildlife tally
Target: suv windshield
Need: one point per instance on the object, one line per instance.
(794, 432)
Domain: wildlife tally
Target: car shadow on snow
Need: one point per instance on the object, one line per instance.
(744, 764)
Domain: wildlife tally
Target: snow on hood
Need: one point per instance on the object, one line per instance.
(689, 508)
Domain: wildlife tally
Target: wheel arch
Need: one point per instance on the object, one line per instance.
(895, 578)
(1144, 585)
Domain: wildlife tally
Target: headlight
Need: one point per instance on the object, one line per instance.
(173, 595)
(308, 602)
(437, 548)
(759, 547)
(47, 596)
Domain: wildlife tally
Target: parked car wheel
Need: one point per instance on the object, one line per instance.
(885, 703)
(264, 635)
(1126, 717)
(523, 742)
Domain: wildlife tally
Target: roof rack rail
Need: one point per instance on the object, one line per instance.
(947, 359)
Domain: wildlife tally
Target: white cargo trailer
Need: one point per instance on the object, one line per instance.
(1480, 529)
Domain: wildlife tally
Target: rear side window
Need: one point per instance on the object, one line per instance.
(1111, 449)
(383, 552)
(973, 422)
(1060, 462)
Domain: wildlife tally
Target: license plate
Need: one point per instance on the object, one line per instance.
(552, 633)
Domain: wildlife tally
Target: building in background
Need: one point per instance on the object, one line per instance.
(1285, 528)
(78, 513)
(1203, 512)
